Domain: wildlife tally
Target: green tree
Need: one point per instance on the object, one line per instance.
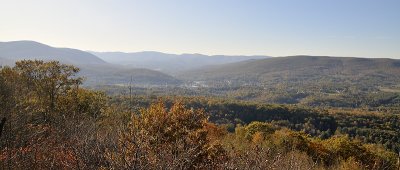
(261, 127)
(48, 80)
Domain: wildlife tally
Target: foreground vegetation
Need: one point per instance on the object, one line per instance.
(49, 122)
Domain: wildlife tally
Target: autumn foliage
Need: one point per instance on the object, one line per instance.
(51, 122)
(174, 138)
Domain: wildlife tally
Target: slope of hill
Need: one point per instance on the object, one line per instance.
(297, 68)
(117, 75)
(170, 63)
(18, 50)
(92, 67)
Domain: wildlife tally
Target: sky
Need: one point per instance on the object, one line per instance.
(359, 28)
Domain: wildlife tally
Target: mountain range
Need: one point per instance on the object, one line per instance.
(155, 68)
(95, 70)
(150, 68)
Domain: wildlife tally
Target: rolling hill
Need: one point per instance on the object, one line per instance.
(300, 68)
(117, 75)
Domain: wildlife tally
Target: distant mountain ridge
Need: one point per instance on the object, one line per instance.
(18, 50)
(169, 63)
(96, 71)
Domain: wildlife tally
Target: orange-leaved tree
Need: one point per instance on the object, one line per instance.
(174, 138)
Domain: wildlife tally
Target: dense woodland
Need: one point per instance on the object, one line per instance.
(50, 121)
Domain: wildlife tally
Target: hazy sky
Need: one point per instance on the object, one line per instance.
(363, 28)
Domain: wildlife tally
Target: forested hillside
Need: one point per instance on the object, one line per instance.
(48, 121)
(302, 68)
